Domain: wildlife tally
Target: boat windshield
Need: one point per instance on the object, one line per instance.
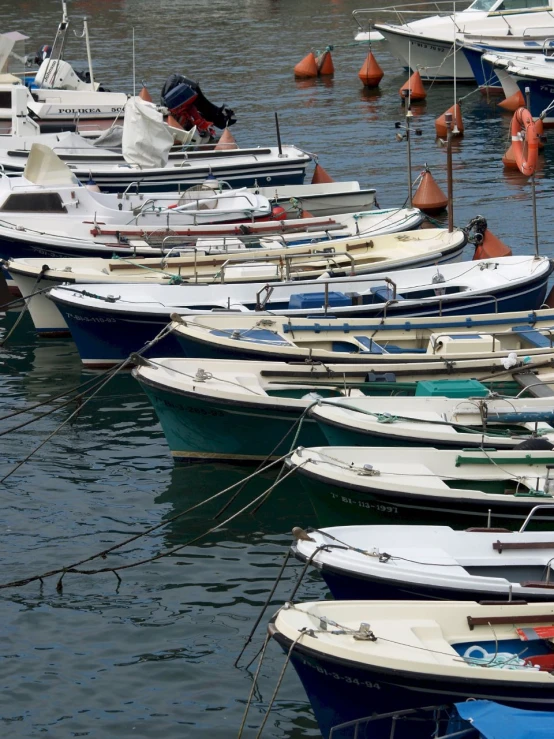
(501, 5)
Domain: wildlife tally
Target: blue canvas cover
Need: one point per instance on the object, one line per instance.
(494, 721)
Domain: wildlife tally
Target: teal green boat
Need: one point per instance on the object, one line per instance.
(440, 422)
(398, 485)
(248, 411)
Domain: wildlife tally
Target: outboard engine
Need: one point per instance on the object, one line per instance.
(45, 52)
(189, 106)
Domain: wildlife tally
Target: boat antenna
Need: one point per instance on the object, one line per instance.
(134, 68)
(533, 188)
(87, 43)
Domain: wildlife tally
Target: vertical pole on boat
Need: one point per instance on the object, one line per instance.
(533, 188)
(278, 131)
(134, 75)
(448, 121)
(89, 56)
(409, 115)
(455, 75)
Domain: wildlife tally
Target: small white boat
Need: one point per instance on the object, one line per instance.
(438, 422)
(228, 336)
(357, 658)
(431, 562)
(349, 484)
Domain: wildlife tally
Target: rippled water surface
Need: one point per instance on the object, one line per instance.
(153, 656)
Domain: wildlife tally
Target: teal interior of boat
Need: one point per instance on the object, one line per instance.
(379, 388)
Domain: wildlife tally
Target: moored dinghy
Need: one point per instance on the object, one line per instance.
(443, 423)
(436, 562)
(100, 316)
(278, 338)
(356, 658)
(349, 484)
(226, 409)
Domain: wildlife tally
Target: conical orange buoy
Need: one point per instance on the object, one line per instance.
(325, 66)
(307, 67)
(226, 141)
(320, 175)
(513, 102)
(539, 128)
(145, 95)
(457, 122)
(173, 123)
(413, 88)
(370, 73)
(491, 247)
(509, 160)
(429, 197)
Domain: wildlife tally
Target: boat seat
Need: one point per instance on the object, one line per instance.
(533, 337)
(384, 294)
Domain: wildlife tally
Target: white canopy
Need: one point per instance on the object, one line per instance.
(44, 167)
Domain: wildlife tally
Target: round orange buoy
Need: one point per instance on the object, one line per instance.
(491, 247)
(371, 73)
(173, 123)
(525, 142)
(278, 213)
(325, 66)
(307, 67)
(226, 141)
(509, 160)
(145, 95)
(320, 175)
(539, 128)
(413, 88)
(306, 214)
(457, 123)
(429, 197)
(513, 102)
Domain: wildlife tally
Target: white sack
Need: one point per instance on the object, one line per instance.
(146, 139)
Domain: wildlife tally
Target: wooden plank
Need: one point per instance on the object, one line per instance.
(537, 584)
(533, 385)
(501, 545)
(474, 621)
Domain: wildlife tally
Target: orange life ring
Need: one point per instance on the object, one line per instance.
(525, 141)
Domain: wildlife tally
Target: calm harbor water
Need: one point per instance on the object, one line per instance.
(154, 656)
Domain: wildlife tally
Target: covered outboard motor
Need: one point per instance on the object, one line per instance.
(45, 52)
(189, 106)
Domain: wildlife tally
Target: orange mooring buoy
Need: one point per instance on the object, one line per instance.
(491, 247)
(320, 175)
(429, 197)
(226, 141)
(145, 95)
(513, 102)
(371, 73)
(325, 66)
(306, 214)
(307, 67)
(457, 122)
(413, 88)
(174, 123)
(509, 160)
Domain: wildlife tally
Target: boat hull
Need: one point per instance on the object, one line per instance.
(341, 690)
(347, 505)
(224, 430)
(349, 585)
(484, 75)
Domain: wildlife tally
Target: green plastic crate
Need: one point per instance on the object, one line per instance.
(451, 388)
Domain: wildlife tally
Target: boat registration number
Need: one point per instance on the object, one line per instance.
(381, 507)
(345, 678)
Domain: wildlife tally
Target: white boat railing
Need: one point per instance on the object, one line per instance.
(432, 713)
(364, 16)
